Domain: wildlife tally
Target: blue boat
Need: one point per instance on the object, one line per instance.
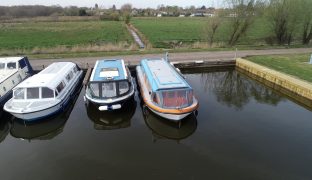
(164, 90)
(110, 85)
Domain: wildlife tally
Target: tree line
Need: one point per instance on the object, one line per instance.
(287, 19)
(37, 10)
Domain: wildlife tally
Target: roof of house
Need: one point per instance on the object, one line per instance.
(49, 77)
(106, 70)
(162, 75)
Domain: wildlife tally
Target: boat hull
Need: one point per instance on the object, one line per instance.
(174, 117)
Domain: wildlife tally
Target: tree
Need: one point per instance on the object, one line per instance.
(211, 28)
(242, 15)
(96, 6)
(283, 15)
(126, 12)
(306, 13)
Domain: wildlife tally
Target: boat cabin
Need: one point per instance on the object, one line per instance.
(47, 84)
(12, 71)
(109, 79)
(166, 86)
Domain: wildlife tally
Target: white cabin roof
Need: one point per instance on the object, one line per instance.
(49, 77)
(10, 59)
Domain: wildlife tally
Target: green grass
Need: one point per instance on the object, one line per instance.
(295, 65)
(159, 31)
(28, 35)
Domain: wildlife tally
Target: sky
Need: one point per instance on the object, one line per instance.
(109, 3)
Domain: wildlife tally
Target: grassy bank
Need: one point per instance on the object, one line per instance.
(164, 31)
(34, 37)
(295, 65)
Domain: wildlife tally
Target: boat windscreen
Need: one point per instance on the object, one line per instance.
(109, 89)
(19, 93)
(47, 93)
(177, 98)
(11, 65)
(123, 87)
(33, 93)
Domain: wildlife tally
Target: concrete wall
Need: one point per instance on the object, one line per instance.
(292, 84)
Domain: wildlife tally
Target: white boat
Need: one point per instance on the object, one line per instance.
(45, 93)
(13, 70)
(110, 85)
(164, 90)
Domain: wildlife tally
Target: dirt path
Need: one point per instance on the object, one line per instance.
(188, 56)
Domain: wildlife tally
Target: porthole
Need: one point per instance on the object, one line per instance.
(13, 82)
(4, 89)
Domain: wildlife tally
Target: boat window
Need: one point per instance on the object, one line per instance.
(13, 82)
(68, 77)
(94, 87)
(19, 77)
(123, 87)
(2, 65)
(4, 89)
(19, 93)
(156, 98)
(32, 93)
(60, 87)
(75, 69)
(177, 99)
(47, 93)
(109, 90)
(11, 65)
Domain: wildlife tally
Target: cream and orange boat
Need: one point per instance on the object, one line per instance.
(164, 91)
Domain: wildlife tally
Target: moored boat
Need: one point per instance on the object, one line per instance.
(45, 93)
(164, 91)
(13, 70)
(110, 85)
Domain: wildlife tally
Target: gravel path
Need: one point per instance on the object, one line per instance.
(181, 57)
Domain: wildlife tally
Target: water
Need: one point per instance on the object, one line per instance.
(243, 131)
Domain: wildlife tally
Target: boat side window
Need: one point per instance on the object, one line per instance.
(75, 69)
(109, 90)
(156, 98)
(19, 93)
(123, 87)
(32, 93)
(60, 87)
(11, 65)
(69, 76)
(94, 87)
(2, 65)
(47, 93)
(19, 77)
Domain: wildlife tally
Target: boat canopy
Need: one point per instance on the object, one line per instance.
(109, 70)
(162, 75)
(50, 77)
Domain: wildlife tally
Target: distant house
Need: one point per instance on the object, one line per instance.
(181, 15)
(159, 15)
(209, 14)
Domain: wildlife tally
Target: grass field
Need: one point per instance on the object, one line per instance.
(161, 31)
(31, 35)
(295, 65)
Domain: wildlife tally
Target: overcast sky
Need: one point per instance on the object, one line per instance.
(109, 3)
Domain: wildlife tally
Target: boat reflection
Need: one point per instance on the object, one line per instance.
(109, 120)
(164, 129)
(4, 125)
(44, 129)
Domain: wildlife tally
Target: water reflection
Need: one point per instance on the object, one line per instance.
(4, 125)
(44, 129)
(108, 120)
(164, 129)
(235, 90)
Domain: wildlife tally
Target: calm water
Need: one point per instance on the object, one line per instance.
(243, 131)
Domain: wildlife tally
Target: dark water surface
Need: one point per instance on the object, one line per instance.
(243, 131)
